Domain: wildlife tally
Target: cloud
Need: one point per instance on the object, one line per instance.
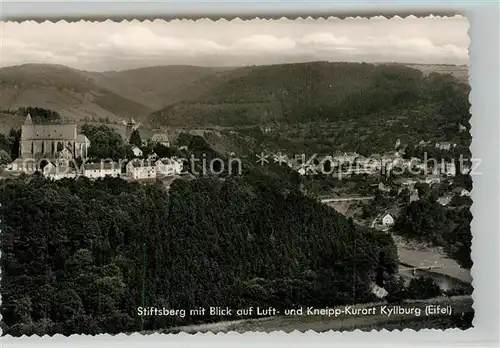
(324, 39)
(110, 46)
(263, 43)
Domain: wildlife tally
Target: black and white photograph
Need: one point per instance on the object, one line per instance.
(235, 175)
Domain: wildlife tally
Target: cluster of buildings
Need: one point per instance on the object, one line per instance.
(136, 169)
(387, 219)
(53, 148)
(350, 163)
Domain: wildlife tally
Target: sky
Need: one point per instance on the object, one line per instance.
(102, 46)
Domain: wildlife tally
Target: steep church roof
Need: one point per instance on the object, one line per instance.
(48, 132)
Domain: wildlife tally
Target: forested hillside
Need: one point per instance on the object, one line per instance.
(309, 92)
(76, 254)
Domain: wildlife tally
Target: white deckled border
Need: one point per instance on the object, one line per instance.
(484, 80)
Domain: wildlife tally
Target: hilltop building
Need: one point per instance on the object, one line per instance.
(49, 140)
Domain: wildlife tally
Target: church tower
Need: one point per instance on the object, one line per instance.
(129, 128)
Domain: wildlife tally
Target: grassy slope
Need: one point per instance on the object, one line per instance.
(68, 91)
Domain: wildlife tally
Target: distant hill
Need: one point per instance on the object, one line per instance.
(76, 96)
(301, 92)
(156, 86)
(460, 72)
(109, 97)
(190, 96)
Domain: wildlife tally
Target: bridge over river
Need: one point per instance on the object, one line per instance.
(416, 262)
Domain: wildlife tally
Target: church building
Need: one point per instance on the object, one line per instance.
(49, 140)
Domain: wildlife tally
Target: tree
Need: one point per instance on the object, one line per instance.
(106, 143)
(423, 287)
(135, 138)
(4, 157)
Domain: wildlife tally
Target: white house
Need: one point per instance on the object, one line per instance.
(168, 167)
(445, 145)
(432, 180)
(57, 172)
(101, 170)
(387, 220)
(137, 151)
(414, 196)
(137, 169)
(24, 165)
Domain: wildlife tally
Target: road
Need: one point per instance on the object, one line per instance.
(345, 199)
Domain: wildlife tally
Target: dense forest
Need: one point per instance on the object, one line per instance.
(81, 256)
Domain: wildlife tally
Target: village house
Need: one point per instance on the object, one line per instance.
(58, 172)
(383, 188)
(138, 169)
(388, 220)
(152, 156)
(23, 165)
(137, 151)
(445, 146)
(414, 196)
(168, 167)
(101, 170)
(346, 157)
(405, 182)
(430, 180)
(461, 191)
(161, 138)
